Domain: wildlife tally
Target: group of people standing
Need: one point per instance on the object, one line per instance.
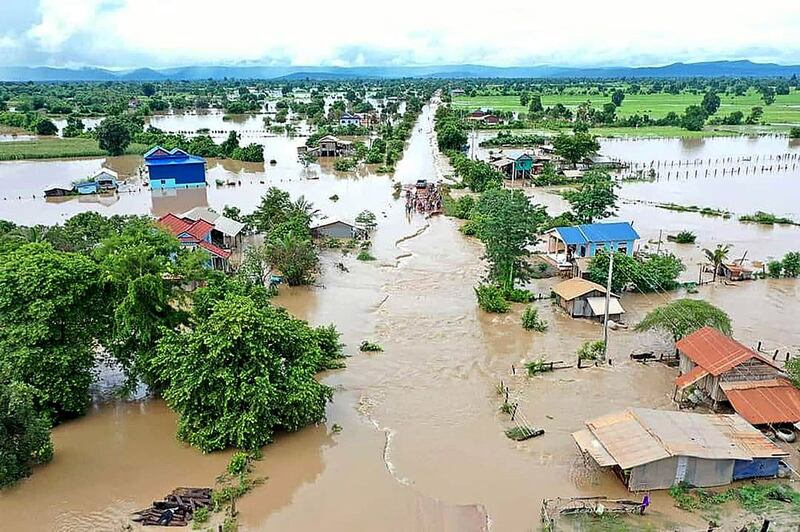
(424, 197)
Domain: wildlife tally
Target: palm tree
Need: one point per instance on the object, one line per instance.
(717, 256)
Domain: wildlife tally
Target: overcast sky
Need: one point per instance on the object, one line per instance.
(158, 33)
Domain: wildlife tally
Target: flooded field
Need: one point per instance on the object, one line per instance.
(422, 445)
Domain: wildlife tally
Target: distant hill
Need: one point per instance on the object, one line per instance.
(675, 70)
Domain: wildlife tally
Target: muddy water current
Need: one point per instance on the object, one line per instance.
(422, 444)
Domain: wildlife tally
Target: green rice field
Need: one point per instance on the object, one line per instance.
(784, 113)
(53, 148)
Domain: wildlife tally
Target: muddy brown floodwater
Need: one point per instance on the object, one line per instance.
(422, 444)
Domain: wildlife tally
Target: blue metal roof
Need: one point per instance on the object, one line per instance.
(597, 233)
(174, 156)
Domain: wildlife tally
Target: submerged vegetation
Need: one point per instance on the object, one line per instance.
(755, 497)
(766, 218)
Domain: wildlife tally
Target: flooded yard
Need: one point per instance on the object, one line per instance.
(422, 444)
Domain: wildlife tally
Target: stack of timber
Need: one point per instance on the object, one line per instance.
(176, 509)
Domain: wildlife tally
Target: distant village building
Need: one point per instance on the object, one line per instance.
(457, 92)
(330, 146)
(197, 234)
(87, 187)
(334, 229)
(584, 299)
(57, 191)
(106, 179)
(174, 169)
(564, 244)
(514, 167)
(656, 449)
(726, 371)
(484, 117)
(349, 119)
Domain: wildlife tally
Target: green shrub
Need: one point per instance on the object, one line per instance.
(518, 295)
(344, 164)
(365, 255)
(685, 237)
(534, 367)
(774, 268)
(238, 463)
(791, 264)
(491, 298)
(794, 133)
(200, 517)
(459, 208)
(531, 320)
(592, 350)
(766, 218)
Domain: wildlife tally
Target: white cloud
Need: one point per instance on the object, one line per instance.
(174, 32)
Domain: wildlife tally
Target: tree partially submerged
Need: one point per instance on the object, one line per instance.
(684, 316)
(596, 197)
(243, 372)
(24, 433)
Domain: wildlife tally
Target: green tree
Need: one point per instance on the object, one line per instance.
(791, 264)
(694, 118)
(240, 374)
(114, 135)
(535, 106)
(524, 99)
(575, 148)
(294, 256)
(717, 256)
(794, 132)
(46, 127)
(617, 97)
(507, 223)
(142, 268)
(148, 89)
(50, 307)
(684, 316)
(649, 273)
(230, 144)
(451, 137)
(595, 199)
(24, 433)
(710, 103)
(74, 127)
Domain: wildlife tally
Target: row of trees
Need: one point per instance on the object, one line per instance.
(235, 368)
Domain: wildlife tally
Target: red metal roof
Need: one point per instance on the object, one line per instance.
(765, 402)
(175, 225)
(713, 351)
(691, 377)
(214, 249)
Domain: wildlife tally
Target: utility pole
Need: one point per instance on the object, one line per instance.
(658, 251)
(608, 303)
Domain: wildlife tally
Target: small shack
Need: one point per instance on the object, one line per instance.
(657, 449)
(334, 229)
(330, 146)
(734, 272)
(57, 191)
(107, 180)
(726, 371)
(87, 187)
(584, 299)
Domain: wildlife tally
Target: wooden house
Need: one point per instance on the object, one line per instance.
(584, 299)
(335, 229)
(57, 191)
(564, 244)
(734, 272)
(726, 371)
(330, 146)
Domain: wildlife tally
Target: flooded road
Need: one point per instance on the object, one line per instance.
(422, 444)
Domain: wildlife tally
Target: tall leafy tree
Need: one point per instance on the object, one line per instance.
(114, 135)
(684, 316)
(574, 148)
(142, 268)
(507, 223)
(50, 307)
(24, 433)
(242, 372)
(595, 199)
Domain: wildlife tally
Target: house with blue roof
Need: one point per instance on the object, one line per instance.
(174, 169)
(567, 244)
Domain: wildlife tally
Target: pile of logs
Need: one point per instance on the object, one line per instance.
(182, 502)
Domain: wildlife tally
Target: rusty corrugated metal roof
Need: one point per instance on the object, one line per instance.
(576, 287)
(764, 402)
(715, 352)
(639, 436)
